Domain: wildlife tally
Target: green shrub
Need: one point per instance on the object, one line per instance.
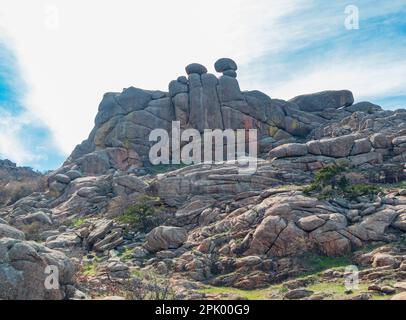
(331, 182)
(142, 215)
(361, 190)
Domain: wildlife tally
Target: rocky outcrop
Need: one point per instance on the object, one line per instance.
(324, 100)
(23, 271)
(164, 238)
(215, 225)
(18, 182)
(200, 101)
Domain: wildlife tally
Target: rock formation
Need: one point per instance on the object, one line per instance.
(214, 225)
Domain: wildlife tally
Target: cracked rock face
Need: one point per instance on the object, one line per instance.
(217, 226)
(22, 271)
(200, 101)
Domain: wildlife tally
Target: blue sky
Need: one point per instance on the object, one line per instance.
(55, 65)
(23, 137)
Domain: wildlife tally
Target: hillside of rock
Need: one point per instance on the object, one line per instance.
(329, 187)
(18, 182)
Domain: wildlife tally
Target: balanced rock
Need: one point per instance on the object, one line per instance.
(225, 64)
(196, 68)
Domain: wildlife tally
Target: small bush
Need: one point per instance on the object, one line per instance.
(332, 181)
(79, 222)
(142, 215)
(361, 190)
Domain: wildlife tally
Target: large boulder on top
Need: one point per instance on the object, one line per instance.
(225, 64)
(324, 100)
(196, 68)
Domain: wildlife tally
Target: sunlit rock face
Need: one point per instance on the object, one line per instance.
(199, 100)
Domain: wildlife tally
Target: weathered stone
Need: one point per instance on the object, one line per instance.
(364, 107)
(225, 64)
(361, 146)
(399, 140)
(230, 73)
(23, 271)
(384, 260)
(101, 228)
(399, 296)
(288, 150)
(374, 226)
(310, 223)
(324, 100)
(333, 147)
(229, 90)
(164, 238)
(7, 231)
(175, 87)
(133, 99)
(380, 141)
(36, 217)
(266, 234)
(195, 68)
(298, 294)
(400, 222)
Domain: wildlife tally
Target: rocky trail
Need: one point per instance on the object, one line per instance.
(329, 192)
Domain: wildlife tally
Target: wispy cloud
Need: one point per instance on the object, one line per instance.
(319, 53)
(24, 139)
(283, 47)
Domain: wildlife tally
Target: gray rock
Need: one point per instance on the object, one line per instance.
(38, 217)
(380, 141)
(182, 79)
(57, 187)
(131, 182)
(311, 223)
(230, 73)
(298, 294)
(289, 150)
(164, 238)
(229, 90)
(7, 231)
(399, 140)
(133, 99)
(333, 147)
(62, 178)
(22, 271)
(364, 107)
(108, 109)
(176, 87)
(361, 146)
(73, 174)
(196, 68)
(205, 112)
(324, 100)
(225, 64)
(100, 229)
(65, 240)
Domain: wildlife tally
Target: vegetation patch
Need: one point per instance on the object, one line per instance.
(142, 216)
(332, 182)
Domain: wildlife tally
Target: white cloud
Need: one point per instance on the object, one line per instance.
(12, 146)
(366, 77)
(103, 46)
